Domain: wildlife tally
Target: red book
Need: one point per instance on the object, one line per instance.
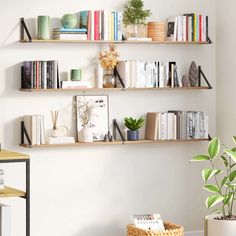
(187, 28)
(96, 25)
(89, 25)
(200, 28)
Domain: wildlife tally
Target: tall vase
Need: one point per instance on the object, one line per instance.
(134, 31)
(109, 80)
(44, 27)
(85, 135)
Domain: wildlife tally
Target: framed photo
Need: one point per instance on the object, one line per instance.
(99, 118)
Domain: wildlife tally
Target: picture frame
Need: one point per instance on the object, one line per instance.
(99, 122)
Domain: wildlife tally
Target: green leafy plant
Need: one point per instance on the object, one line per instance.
(133, 124)
(134, 12)
(220, 182)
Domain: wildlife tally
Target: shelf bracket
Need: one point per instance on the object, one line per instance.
(23, 29)
(117, 75)
(209, 40)
(209, 137)
(116, 127)
(24, 134)
(200, 75)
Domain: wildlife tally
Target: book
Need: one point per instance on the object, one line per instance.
(152, 126)
(5, 220)
(76, 84)
(61, 140)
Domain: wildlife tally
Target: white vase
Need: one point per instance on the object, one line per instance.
(219, 227)
(85, 135)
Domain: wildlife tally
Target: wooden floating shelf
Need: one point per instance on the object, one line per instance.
(11, 192)
(8, 155)
(113, 143)
(114, 89)
(115, 42)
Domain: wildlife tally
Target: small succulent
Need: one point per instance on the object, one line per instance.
(133, 124)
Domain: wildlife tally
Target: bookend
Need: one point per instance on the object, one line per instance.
(23, 29)
(117, 76)
(200, 75)
(24, 134)
(116, 127)
(209, 40)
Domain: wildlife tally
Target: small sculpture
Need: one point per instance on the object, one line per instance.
(185, 81)
(193, 74)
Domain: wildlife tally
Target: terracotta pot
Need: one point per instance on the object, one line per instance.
(219, 227)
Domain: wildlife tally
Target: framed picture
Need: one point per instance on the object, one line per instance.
(98, 107)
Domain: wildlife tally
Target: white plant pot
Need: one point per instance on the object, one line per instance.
(85, 135)
(219, 227)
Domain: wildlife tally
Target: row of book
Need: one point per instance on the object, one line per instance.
(40, 75)
(101, 24)
(173, 125)
(188, 28)
(2, 186)
(140, 74)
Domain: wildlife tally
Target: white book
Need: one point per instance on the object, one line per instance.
(204, 39)
(206, 128)
(30, 123)
(120, 23)
(190, 29)
(54, 73)
(106, 25)
(63, 140)
(34, 130)
(180, 29)
(44, 74)
(184, 28)
(167, 74)
(42, 130)
(160, 132)
(156, 78)
(123, 68)
(133, 73)
(161, 75)
(175, 127)
(92, 25)
(70, 37)
(38, 129)
(164, 120)
(179, 76)
(76, 84)
(5, 220)
(183, 126)
(170, 123)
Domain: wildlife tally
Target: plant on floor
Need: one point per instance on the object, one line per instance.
(133, 125)
(220, 182)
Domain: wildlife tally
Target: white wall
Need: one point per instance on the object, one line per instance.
(94, 190)
(226, 63)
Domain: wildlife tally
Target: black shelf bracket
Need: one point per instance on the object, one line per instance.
(116, 127)
(23, 30)
(209, 137)
(202, 75)
(209, 40)
(117, 75)
(24, 134)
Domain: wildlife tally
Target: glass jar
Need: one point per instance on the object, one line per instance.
(109, 80)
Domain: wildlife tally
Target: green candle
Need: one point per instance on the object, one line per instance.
(44, 27)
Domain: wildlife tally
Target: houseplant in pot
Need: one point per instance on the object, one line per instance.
(134, 16)
(133, 126)
(221, 185)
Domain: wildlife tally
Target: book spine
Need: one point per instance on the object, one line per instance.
(187, 28)
(120, 17)
(200, 28)
(92, 25)
(96, 25)
(195, 27)
(207, 25)
(106, 25)
(100, 25)
(112, 26)
(89, 25)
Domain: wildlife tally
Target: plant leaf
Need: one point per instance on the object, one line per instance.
(234, 139)
(208, 173)
(212, 188)
(228, 198)
(213, 200)
(224, 180)
(232, 166)
(225, 161)
(200, 158)
(217, 211)
(232, 176)
(214, 148)
(231, 154)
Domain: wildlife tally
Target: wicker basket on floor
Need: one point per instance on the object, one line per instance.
(171, 230)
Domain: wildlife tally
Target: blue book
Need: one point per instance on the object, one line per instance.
(83, 19)
(115, 26)
(72, 30)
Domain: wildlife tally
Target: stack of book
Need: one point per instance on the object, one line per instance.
(82, 84)
(39, 75)
(60, 140)
(2, 186)
(173, 125)
(34, 125)
(188, 28)
(139, 74)
(69, 34)
(5, 220)
(101, 25)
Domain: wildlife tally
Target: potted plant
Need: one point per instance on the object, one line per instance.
(133, 125)
(221, 183)
(135, 15)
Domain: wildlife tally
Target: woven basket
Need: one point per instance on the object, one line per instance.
(171, 230)
(156, 31)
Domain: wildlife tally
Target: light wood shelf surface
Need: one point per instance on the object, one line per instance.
(115, 89)
(11, 192)
(9, 155)
(113, 143)
(115, 42)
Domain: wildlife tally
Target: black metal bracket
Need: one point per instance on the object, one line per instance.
(200, 75)
(209, 40)
(209, 137)
(116, 127)
(24, 134)
(117, 75)
(23, 29)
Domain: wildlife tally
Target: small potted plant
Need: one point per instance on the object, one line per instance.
(135, 15)
(133, 125)
(108, 60)
(221, 183)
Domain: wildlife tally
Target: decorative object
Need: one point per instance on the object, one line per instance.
(69, 21)
(133, 125)
(44, 27)
(75, 75)
(222, 187)
(92, 114)
(156, 31)
(193, 74)
(134, 15)
(185, 81)
(170, 230)
(108, 60)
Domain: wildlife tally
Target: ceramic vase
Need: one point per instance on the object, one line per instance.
(44, 27)
(85, 135)
(69, 21)
(109, 80)
(132, 135)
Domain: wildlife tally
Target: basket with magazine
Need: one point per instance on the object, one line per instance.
(170, 230)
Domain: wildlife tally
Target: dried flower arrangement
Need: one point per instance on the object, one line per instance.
(109, 58)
